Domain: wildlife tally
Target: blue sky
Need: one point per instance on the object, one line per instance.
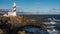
(33, 6)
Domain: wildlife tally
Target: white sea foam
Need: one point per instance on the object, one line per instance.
(52, 22)
(53, 31)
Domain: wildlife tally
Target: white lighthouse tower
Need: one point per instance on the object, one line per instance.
(14, 7)
(13, 12)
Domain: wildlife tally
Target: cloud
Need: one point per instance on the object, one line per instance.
(44, 11)
(39, 11)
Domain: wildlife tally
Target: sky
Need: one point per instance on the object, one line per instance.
(33, 6)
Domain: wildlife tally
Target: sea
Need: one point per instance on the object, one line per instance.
(54, 25)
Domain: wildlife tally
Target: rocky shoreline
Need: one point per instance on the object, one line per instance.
(15, 24)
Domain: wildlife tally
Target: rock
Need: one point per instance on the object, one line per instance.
(2, 31)
(21, 32)
(14, 22)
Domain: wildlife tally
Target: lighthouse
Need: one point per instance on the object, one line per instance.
(13, 12)
(14, 7)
